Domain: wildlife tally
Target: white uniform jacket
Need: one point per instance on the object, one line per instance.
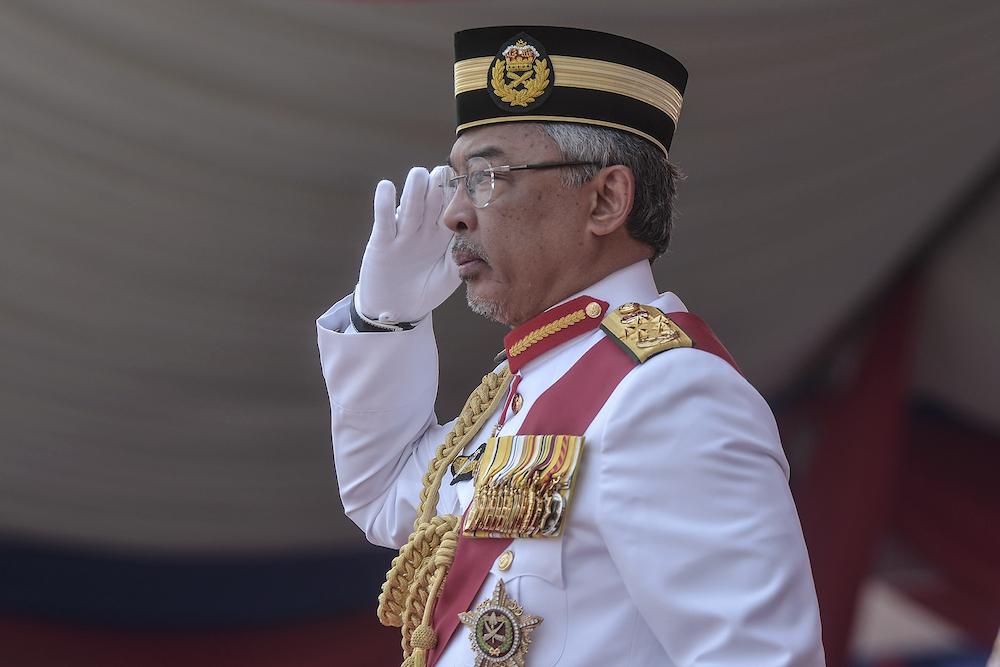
(681, 546)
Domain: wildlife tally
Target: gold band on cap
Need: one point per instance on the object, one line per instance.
(471, 74)
(573, 72)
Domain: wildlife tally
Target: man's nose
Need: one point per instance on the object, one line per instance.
(460, 214)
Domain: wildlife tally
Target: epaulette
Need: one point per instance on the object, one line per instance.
(644, 331)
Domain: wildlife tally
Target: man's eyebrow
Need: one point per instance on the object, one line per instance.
(486, 152)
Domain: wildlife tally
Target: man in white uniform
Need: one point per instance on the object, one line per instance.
(615, 493)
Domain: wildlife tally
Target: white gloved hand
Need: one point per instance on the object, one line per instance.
(407, 270)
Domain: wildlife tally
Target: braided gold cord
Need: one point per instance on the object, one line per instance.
(419, 548)
(411, 587)
(419, 600)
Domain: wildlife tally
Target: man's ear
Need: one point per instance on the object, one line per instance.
(612, 192)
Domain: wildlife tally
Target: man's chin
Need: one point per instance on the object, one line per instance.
(491, 309)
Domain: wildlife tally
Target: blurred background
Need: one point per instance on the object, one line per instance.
(186, 185)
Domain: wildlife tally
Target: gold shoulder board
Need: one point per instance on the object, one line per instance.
(644, 331)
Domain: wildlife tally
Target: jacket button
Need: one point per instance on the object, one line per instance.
(506, 558)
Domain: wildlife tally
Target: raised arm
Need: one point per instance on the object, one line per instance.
(380, 359)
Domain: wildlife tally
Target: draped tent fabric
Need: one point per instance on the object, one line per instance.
(949, 511)
(963, 284)
(185, 186)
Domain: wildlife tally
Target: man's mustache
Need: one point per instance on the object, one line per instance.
(463, 246)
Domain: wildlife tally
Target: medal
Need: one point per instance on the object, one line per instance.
(464, 467)
(523, 485)
(499, 630)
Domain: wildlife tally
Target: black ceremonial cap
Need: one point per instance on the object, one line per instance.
(545, 73)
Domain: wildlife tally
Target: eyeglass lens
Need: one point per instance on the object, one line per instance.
(478, 181)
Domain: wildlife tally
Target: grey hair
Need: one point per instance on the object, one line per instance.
(651, 219)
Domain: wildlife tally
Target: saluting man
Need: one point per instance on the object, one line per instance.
(615, 493)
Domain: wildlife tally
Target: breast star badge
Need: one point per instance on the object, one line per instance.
(499, 630)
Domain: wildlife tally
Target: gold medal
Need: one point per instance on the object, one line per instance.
(523, 486)
(499, 630)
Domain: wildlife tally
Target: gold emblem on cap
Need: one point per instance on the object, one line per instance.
(522, 66)
(593, 310)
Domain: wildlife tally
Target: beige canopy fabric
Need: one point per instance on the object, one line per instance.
(185, 186)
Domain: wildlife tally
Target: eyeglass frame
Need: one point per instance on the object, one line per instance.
(469, 189)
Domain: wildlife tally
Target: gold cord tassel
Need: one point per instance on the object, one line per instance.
(411, 588)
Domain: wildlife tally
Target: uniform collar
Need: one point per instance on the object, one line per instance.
(575, 316)
(553, 328)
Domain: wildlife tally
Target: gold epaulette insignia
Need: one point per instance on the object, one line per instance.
(644, 331)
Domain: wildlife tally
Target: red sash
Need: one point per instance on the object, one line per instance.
(566, 408)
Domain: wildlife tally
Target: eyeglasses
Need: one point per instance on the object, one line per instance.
(479, 178)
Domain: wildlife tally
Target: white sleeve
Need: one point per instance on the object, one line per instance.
(382, 388)
(695, 509)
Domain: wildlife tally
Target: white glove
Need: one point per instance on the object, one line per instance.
(407, 270)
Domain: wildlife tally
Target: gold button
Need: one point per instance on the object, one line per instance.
(506, 558)
(593, 309)
(517, 403)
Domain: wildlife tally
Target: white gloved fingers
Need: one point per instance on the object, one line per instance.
(436, 201)
(384, 228)
(407, 269)
(448, 267)
(410, 213)
(437, 176)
